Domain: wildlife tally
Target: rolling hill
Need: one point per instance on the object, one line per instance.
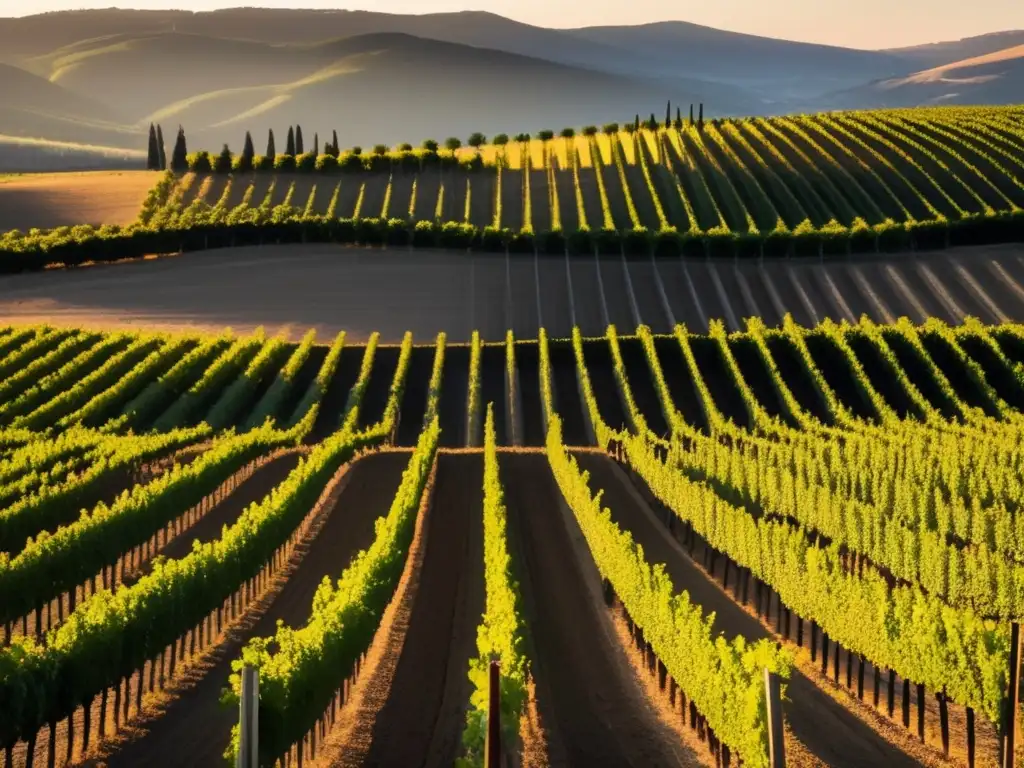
(406, 88)
(933, 55)
(666, 50)
(788, 69)
(98, 77)
(34, 107)
(992, 78)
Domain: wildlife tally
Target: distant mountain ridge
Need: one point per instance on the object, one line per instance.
(412, 76)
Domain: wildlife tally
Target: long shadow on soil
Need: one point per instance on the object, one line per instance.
(492, 388)
(796, 376)
(421, 723)
(269, 376)
(598, 359)
(454, 389)
(641, 384)
(679, 380)
(719, 379)
(414, 398)
(755, 373)
(375, 398)
(332, 404)
(303, 379)
(528, 363)
(567, 393)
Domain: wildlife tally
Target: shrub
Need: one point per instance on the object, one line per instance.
(350, 162)
(284, 163)
(405, 147)
(545, 135)
(452, 143)
(476, 140)
(610, 128)
(305, 162)
(222, 163)
(589, 130)
(380, 149)
(327, 163)
(199, 162)
(356, 150)
(500, 140)
(568, 133)
(430, 145)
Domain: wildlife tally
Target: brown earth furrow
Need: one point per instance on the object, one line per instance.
(587, 694)
(421, 719)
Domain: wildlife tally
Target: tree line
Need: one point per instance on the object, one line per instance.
(295, 146)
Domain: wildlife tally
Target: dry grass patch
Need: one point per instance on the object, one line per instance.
(46, 200)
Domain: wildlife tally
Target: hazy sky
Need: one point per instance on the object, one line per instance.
(855, 23)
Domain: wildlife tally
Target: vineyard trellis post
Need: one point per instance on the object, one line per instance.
(492, 749)
(1013, 694)
(248, 715)
(776, 740)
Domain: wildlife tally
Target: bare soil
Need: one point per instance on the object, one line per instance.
(588, 697)
(291, 288)
(194, 728)
(424, 713)
(616, 296)
(382, 375)
(414, 397)
(48, 200)
(566, 393)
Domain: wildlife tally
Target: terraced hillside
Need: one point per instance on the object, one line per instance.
(840, 496)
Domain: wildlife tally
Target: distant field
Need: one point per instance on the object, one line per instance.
(836, 175)
(46, 200)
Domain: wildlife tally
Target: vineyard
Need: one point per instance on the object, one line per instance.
(635, 528)
(809, 185)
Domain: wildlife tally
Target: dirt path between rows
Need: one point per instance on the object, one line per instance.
(820, 730)
(423, 711)
(194, 729)
(588, 697)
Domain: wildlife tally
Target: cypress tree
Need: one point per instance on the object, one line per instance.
(653, 122)
(161, 150)
(691, 114)
(636, 123)
(700, 118)
(153, 156)
(299, 149)
(271, 149)
(316, 145)
(679, 118)
(223, 162)
(179, 158)
(248, 151)
(289, 148)
(335, 148)
(668, 115)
